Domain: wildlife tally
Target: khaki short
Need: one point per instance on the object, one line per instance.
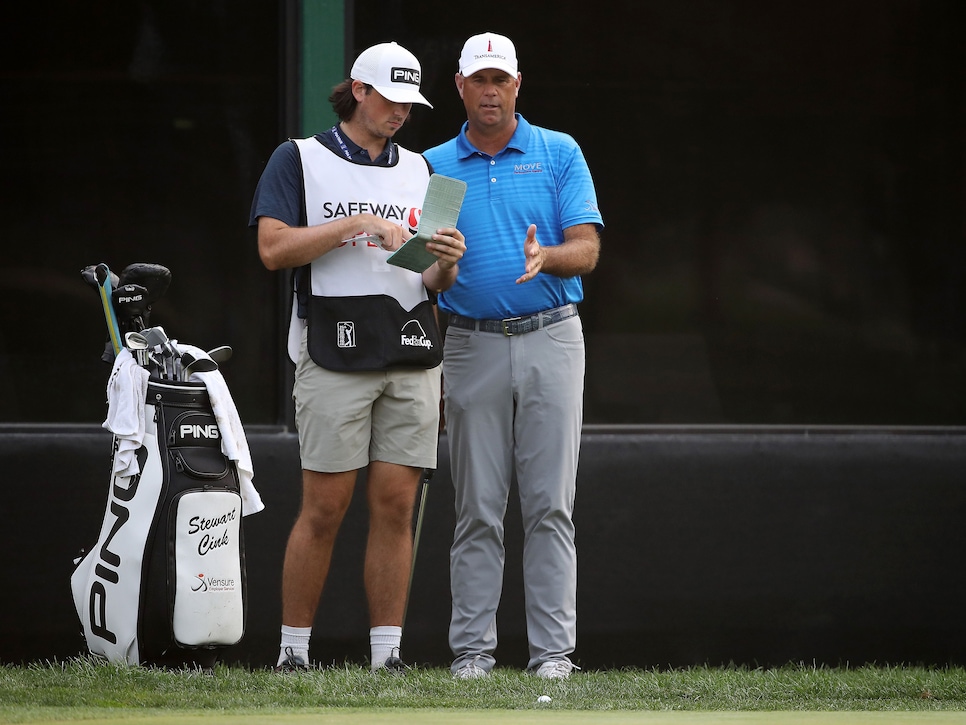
(346, 420)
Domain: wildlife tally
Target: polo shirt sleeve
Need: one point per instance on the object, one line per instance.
(280, 193)
(576, 193)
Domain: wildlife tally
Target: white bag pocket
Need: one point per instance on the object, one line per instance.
(209, 589)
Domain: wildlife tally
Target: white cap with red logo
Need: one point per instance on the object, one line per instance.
(488, 50)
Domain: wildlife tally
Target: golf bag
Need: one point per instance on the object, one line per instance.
(165, 583)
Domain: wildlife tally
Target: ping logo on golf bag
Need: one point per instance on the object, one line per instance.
(194, 443)
(109, 562)
(198, 431)
(193, 429)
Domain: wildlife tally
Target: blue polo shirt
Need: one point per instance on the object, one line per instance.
(540, 178)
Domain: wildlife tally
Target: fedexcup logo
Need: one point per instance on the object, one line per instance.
(404, 75)
(413, 335)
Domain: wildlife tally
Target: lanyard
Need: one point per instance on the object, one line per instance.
(348, 154)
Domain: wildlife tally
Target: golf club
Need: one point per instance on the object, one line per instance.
(200, 363)
(220, 354)
(138, 346)
(424, 486)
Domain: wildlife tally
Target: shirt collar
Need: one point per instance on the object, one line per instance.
(518, 141)
(356, 152)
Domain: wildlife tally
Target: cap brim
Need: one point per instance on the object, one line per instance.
(396, 95)
(488, 64)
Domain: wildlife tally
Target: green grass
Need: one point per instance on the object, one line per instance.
(86, 687)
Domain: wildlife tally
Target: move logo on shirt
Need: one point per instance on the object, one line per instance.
(532, 168)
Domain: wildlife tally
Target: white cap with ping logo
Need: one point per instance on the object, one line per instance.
(392, 70)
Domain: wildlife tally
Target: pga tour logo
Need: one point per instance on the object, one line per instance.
(346, 334)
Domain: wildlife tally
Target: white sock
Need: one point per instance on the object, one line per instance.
(384, 643)
(295, 639)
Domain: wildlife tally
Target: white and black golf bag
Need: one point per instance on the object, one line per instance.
(165, 583)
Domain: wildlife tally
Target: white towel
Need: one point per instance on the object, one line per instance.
(234, 443)
(127, 388)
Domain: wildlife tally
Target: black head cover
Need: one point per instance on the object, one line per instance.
(152, 277)
(130, 300)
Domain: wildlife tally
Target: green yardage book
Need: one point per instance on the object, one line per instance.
(441, 209)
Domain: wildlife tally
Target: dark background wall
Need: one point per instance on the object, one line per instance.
(782, 185)
(784, 194)
(747, 546)
(783, 191)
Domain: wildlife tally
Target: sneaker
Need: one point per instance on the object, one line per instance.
(470, 670)
(291, 663)
(556, 669)
(393, 666)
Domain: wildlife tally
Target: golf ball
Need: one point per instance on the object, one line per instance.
(543, 698)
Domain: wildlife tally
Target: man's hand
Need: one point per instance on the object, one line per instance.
(449, 245)
(283, 247)
(390, 234)
(533, 254)
(577, 254)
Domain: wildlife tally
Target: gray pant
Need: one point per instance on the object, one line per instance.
(514, 404)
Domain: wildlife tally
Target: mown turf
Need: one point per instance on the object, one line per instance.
(85, 688)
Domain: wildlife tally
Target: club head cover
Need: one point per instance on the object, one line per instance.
(130, 301)
(155, 278)
(89, 275)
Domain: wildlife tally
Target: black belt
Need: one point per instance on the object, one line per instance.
(515, 325)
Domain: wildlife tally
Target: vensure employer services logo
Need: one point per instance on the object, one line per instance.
(213, 584)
